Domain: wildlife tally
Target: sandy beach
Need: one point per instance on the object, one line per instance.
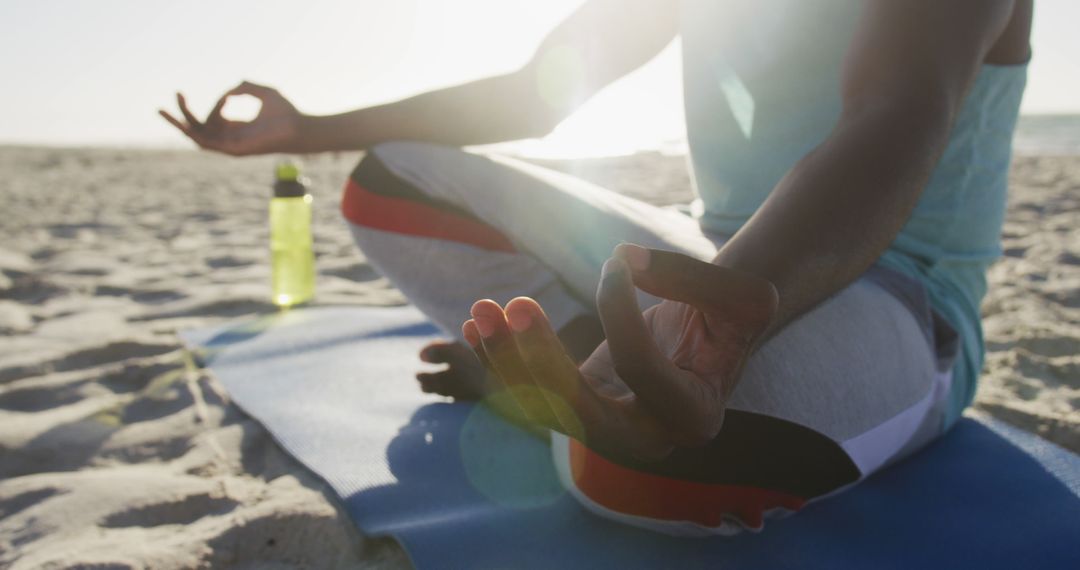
(115, 451)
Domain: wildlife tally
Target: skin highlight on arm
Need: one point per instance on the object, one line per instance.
(836, 211)
(599, 43)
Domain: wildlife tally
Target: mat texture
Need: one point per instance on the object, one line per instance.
(461, 489)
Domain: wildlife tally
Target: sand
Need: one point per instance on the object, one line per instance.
(1032, 312)
(115, 452)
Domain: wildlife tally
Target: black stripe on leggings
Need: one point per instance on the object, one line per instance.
(374, 176)
(760, 451)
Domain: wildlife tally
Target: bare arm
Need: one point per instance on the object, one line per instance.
(599, 43)
(829, 219)
(602, 41)
(837, 210)
(678, 364)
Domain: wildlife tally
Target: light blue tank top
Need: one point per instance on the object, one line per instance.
(762, 89)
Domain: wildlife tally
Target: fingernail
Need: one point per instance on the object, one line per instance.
(425, 355)
(484, 326)
(635, 256)
(469, 332)
(520, 321)
(612, 266)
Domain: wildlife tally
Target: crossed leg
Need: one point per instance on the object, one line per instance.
(848, 388)
(449, 228)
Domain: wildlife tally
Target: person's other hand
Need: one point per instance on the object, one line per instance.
(274, 129)
(661, 380)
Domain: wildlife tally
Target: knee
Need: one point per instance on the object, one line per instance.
(393, 170)
(373, 179)
(377, 157)
(395, 154)
(389, 150)
(382, 167)
(382, 192)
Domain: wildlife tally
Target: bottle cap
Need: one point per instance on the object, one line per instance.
(288, 172)
(287, 181)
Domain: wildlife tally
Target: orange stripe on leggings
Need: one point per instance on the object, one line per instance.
(632, 492)
(366, 208)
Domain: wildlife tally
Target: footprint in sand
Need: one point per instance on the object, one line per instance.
(87, 358)
(182, 510)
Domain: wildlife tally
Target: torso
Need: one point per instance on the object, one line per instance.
(762, 89)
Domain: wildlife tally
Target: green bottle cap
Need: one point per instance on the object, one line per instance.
(288, 172)
(288, 183)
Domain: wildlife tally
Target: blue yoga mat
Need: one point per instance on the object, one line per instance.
(458, 488)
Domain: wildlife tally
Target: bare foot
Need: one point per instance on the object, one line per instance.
(464, 377)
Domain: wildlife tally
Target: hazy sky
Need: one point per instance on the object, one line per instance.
(94, 72)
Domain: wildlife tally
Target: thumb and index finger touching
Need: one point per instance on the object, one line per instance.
(705, 286)
(260, 92)
(257, 91)
(202, 131)
(658, 383)
(715, 291)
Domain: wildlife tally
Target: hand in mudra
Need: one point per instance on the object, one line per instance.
(661, 379)
(274, 129)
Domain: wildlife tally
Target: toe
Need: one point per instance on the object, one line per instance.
(438, 352)
(488, 316)
(435, 383)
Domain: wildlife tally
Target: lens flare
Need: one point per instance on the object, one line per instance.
(502, 465)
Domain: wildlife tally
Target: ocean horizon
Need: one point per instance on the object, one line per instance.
(1042, 134)
(1047, 134)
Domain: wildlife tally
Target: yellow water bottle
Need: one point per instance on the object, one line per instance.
(292, 258)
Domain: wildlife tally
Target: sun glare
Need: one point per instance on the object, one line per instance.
(329, 56)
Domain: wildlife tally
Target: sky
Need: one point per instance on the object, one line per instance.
(81, 72)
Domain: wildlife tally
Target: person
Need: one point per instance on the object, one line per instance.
(815, 320)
